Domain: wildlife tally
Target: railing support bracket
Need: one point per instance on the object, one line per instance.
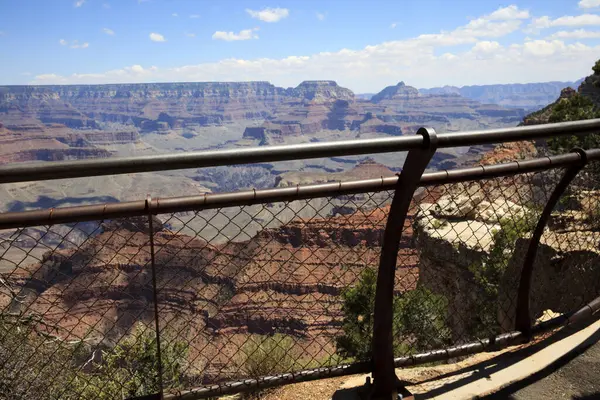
(386, 383)
(523, 313)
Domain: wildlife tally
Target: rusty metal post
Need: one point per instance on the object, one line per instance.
(386, 383)
(523, 314)
(155, 297)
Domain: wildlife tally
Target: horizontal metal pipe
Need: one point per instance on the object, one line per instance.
(122, 165)
(249, 197)
(247, 385)
(585, 312)
(532, 132)
(498, 342)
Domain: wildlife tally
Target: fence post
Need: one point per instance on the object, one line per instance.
(523, 314)
(386, 383)
(155, 296)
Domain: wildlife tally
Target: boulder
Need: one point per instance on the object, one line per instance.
(565, 275)
(455, 237)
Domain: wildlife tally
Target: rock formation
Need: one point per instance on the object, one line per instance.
(572, 105)
(365, 169)
(543, 116)
(458, 238)
(529, 96)
(102, 116)
(285, 279)
(398, 92)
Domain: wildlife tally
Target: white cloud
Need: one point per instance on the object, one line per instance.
(79, 3)
(74, 44)
(175, 15)
(589, 3)
(320, 16)
(422, 61)
(508, 13)
(499, 23)
(157, 37)
(105, 5)
(576, 34)
(194, 16)
(393, 25)
(568, 20)
(109, 32)
(25, 74)
(246, 34)
(486, 47)
(77, 45)
(543, 48)
(269, 14)
(448, 56)
(192, 35)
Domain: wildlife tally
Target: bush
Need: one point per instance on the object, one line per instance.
(419, 318)
(576, 108)
(489, 273)
(422, 314)
(131, 368)
(37, 366)
(359, 303)
(268, 355)
(32, 365)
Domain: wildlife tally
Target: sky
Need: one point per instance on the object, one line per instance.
(363, 45)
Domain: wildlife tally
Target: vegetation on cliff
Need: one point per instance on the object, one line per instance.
(36, 365)
(419, 320)
(489, 272)
(572, 106)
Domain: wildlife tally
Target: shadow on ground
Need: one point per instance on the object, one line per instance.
(524, 389)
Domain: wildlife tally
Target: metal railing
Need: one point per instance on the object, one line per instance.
(200, 296)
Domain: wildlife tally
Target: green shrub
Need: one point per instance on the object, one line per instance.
(419, 319)
(489, 273)
(576, 108)
(36, 365)
(422, 314)
(268, 355)
(358, 306)
(131, 368)
(32, 365)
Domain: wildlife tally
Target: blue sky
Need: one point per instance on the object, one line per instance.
(364, 45)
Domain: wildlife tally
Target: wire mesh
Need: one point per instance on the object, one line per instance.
(263, 289)
(242, 292)
(566, 273)
(469, 237)
(271, 302)
(77, 312)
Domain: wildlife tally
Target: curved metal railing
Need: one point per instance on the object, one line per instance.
(405, 188)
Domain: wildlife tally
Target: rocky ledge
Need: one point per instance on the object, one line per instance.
(466, 255)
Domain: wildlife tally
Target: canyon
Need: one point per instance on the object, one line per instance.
(227, 275)
(530, 96)
(97, 119)
(51, 123)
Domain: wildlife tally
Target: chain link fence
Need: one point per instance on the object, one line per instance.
(127, 307)
(566, 274)
(240, 292)
(467, 236)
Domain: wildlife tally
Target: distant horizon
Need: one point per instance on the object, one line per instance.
(282, 87)
(364, 45)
